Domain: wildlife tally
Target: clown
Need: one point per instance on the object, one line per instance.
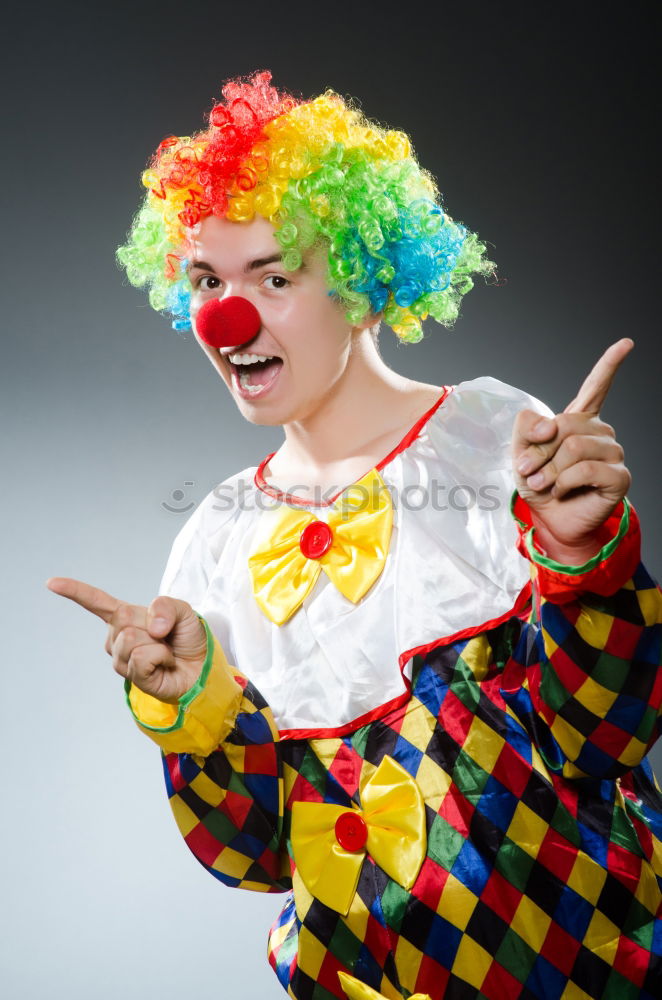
(415, 690)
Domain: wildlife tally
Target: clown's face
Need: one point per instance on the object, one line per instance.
(303, 328)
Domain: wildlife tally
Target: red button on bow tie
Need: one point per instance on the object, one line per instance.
(351, 831)
(227, 322)
(316, 539)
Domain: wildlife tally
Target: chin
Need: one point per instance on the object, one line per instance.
(262, 416)
(262, 419)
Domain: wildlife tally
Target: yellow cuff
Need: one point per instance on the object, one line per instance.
(202, 718)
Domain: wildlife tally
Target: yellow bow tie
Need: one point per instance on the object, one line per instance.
(329, 842)
(356, 990)
(292, 546)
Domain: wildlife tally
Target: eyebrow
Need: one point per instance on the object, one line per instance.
(255, 265)
(252, 265)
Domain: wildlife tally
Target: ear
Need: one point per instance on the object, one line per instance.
(369, 321)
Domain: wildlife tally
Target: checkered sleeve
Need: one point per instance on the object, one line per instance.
(593, 656)
(223, 773)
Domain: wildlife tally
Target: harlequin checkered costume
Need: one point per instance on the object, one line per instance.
(483, 822)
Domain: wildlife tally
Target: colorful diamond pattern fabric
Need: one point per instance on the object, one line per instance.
(543, 872)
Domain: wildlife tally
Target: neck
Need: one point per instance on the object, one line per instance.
(355, 412)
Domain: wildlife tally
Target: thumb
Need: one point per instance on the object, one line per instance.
(531, 428)
(164, 613)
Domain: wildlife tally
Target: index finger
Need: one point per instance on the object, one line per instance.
(91, 598)
(594, 388)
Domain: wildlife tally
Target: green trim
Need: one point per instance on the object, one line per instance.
(605, 552)
(186, 698)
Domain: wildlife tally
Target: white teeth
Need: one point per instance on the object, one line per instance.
(243, 381)
(249, 359)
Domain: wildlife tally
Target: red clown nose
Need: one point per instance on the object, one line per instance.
(227, 322)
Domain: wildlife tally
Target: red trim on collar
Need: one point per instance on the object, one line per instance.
(406, 441)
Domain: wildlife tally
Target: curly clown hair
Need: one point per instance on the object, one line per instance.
(320, 172)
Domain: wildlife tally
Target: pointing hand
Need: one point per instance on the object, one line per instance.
(569, 468)
(160, 649)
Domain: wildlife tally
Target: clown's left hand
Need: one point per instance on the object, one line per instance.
(570, 469)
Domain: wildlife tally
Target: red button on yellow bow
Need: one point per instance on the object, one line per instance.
(351, 831)
(292, 546)
(316, 539)
(329, 845)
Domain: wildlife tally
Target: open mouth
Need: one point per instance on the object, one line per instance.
(256, 376)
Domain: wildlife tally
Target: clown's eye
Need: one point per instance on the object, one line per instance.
(277, 281)
(207, 282)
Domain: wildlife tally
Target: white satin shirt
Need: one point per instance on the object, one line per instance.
(452, 565)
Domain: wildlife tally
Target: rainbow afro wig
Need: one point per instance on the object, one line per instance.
(321, 174)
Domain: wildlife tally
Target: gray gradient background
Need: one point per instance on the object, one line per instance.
(537, 120)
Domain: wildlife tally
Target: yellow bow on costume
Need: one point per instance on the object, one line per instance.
(360, 523)
(356, 990)
(393, 816)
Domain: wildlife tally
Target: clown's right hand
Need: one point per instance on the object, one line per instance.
(161, 649)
